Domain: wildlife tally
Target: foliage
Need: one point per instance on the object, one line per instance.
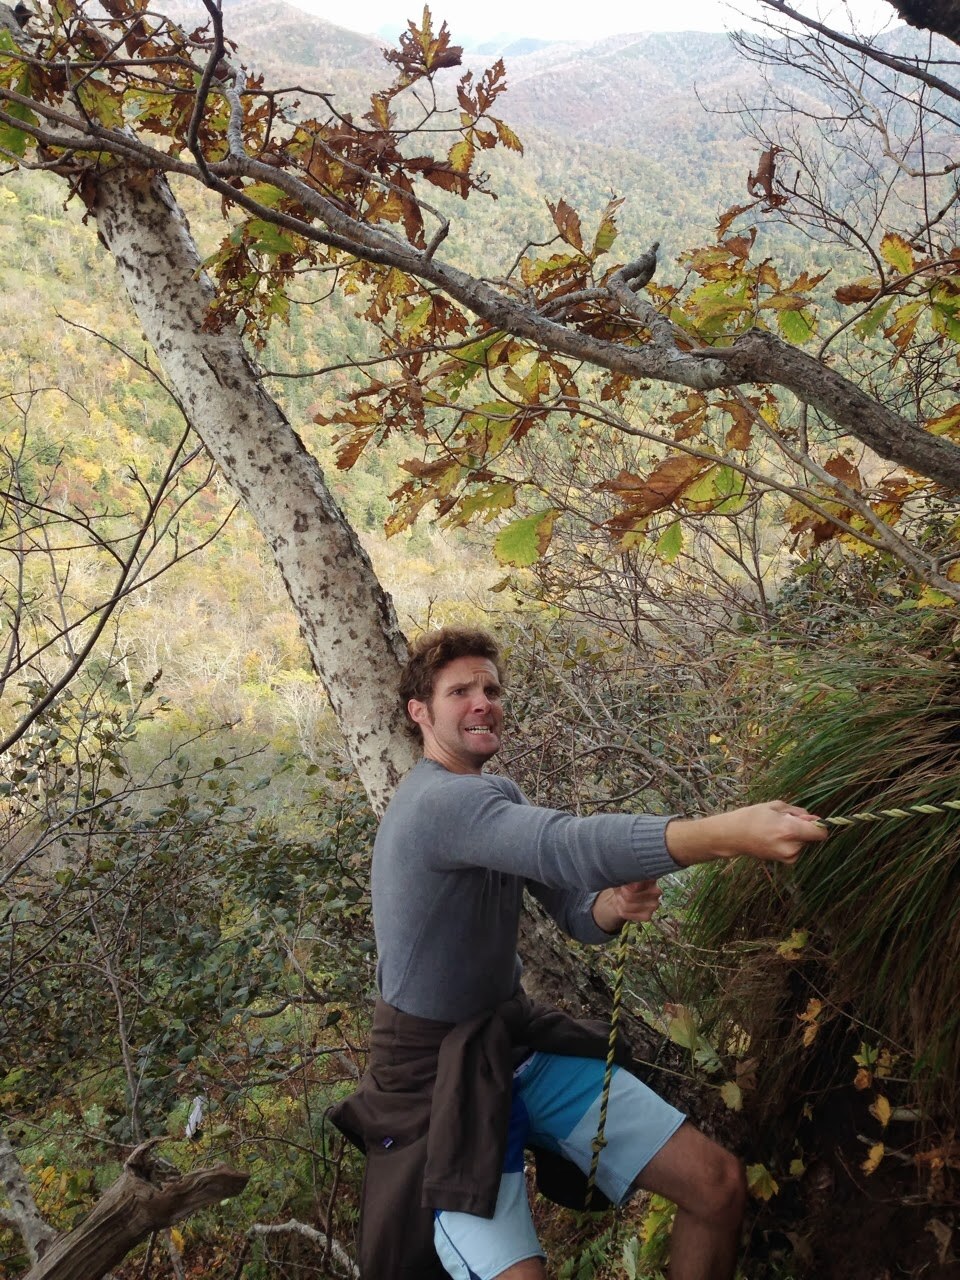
(469, 372)
(168, 908)
(860, 939)
(217, 957)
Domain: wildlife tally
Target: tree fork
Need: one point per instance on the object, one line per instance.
(346, 616)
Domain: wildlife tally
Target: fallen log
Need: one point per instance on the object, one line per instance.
(150, 1195)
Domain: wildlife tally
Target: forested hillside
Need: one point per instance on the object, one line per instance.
(721, 575)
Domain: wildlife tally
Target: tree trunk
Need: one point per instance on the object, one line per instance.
(347, 618)
(148, 1196)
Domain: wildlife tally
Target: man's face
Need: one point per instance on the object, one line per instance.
(463, 720)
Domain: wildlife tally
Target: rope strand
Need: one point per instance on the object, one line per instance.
(600, 1141)
(885, 815)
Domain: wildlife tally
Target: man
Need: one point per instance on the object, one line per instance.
(464, 1070)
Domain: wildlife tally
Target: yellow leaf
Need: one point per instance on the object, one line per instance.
(863, 1079)
(461, 156)
(761, 1182)
(874, 1156)
(790, 949)
(732, 1096)
(507, 136)
(930, 598)
(882, 1110)
(682, 1027)
(810, 1016)
(177, 1238)
(898, 252)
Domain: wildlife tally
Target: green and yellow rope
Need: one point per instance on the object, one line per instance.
(600, 1141)
(886, 815)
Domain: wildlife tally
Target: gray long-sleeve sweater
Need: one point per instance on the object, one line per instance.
(451, 859)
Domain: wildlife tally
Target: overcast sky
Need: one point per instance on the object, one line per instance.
(576, 20)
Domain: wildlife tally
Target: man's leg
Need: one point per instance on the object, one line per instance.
(707, 1185)
(643, 1133)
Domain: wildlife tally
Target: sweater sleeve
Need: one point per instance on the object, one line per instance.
(572, 910)
(485, 822)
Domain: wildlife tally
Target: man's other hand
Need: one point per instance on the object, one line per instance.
(635, 902)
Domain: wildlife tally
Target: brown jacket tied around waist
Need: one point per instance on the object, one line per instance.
(432, 1114)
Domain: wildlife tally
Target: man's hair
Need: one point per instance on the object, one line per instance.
(430, 653)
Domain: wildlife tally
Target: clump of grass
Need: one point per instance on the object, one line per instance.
(877, 908)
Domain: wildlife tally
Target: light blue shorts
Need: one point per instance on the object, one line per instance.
(556, 1104)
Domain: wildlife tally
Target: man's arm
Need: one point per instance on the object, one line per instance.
(772, 832)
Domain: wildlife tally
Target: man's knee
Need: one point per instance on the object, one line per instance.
(699, 1176)
(720, 1195)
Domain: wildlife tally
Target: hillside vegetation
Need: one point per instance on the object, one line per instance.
(183, 843)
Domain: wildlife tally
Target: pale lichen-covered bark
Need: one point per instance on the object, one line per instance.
(22, 1214)
(346, 616)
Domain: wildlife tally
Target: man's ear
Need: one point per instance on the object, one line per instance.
(419, 712)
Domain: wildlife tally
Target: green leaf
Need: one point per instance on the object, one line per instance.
(682, 1029)
(415, 320)
(732, 485)
(704, 488)
(898, 252)
(13, 141)
(524, 541)
(873, 320)
(761, 1182)
(264, 193)
(267, 238)
(470, 361)
(670, 544)
(487, 502)
(103, 102)
(796, 326)
(629, 1258)
(791, 947)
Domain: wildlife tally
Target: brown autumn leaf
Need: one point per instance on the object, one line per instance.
(665, 483)
(350, 451)
(730, 216)
(860, 291)
(740, 434)
(567, 222)
(843, 470)
(740, 246)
